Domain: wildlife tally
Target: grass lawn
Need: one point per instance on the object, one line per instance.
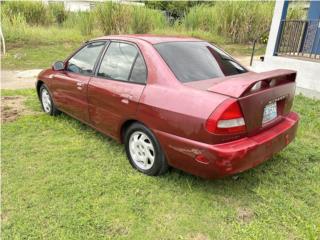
(40, 47)
(63, 180)
(44, 55)
(31, 57)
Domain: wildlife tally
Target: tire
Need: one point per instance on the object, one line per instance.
(47, 102)
(143, 150)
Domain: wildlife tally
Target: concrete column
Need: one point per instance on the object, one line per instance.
(280, 13)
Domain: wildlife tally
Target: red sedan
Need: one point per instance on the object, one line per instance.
(179, 102)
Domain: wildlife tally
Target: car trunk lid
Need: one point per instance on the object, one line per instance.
(265, 98)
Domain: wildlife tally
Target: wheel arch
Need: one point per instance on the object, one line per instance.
(125, 126)
(38, 86)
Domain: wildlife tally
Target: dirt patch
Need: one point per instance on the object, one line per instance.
(4, 216)
(245, 215)
(13, 107)
(198, 236)
(117, 231)
(19, 79)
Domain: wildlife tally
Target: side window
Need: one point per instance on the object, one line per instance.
(83, 61)
(118, 61)
(139, 71)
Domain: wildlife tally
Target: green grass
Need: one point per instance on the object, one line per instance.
(32, 57)
(40, 55)
(63, 180)
(38, 47)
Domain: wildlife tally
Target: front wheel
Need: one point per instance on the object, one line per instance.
(144, 151)
(46, 101)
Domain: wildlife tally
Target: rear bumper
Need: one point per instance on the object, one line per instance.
(228, 158)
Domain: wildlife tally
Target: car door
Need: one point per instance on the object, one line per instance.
(69, 86)
(114, 93)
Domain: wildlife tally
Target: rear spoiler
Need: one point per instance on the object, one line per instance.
(241, 84)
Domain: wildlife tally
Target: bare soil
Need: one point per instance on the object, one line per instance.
(198, 236)
(245, 215)
(19, 79)
(13, 107)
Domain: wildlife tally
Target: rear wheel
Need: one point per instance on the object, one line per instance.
(144, 151)
(46, 101)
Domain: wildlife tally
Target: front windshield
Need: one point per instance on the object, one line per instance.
(194, 61)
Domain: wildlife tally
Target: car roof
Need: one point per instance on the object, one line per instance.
(150, 38)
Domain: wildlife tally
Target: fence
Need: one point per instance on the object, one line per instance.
(300, 38)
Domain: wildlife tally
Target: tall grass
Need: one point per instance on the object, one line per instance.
(113, 18)
(238, 21)
(58, 12)
(86, 23)
(145, 19)
(200, 17)
(35, 13)
(13, 27)
(296, 12)
(82, 21)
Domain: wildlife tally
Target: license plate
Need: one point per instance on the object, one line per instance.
(270, 112)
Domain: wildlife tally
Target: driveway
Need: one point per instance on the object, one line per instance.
(19, 79)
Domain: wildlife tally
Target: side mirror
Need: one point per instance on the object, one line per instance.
(58, 66)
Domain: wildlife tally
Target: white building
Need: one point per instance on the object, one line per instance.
(85, 5)
(295, 44)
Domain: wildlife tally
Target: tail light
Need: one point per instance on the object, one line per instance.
(227, 119)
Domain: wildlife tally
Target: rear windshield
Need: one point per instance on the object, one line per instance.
(194, 61)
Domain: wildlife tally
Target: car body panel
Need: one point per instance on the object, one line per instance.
(70, 93)
(150, 38)
(177, 112)
(236, 85)
(228, 158)
(111, 103)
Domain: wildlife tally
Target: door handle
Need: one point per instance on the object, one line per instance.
(80, 85)
(125, 98)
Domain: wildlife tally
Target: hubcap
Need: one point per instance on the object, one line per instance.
(46, 102)
(141, 150)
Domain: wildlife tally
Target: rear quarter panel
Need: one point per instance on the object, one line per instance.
(179, 111)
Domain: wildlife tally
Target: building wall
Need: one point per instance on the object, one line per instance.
(314, 10)
(87, 5)
(308, 72)
(76, 6)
